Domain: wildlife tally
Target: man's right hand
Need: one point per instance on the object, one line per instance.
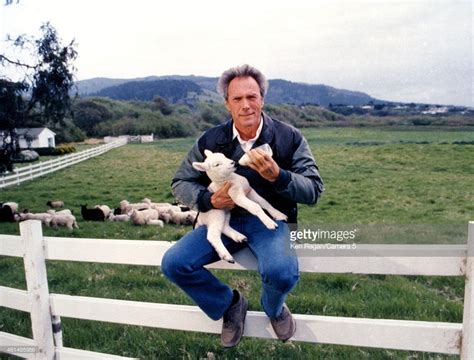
(221, 199)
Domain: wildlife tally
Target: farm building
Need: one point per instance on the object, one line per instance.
(34, 138)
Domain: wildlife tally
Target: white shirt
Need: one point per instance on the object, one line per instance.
(247, 144)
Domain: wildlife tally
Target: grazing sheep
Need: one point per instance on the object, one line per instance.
(64, 220)
(45, 218)
(221, 170)
(8, 211)
(126, 207)
(120, 217)
(94, 214)
(57, 204)
(105, 209)
(144, 216)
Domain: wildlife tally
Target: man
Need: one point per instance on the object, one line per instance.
(288, 177)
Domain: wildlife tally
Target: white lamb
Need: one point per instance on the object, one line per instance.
(183, 217)
(122, 217)
(64, 220)
(60, 212)
(126, 207)
(220, 170)
(45, 218)
(145, 217)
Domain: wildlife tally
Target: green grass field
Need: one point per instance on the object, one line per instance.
(371, 177)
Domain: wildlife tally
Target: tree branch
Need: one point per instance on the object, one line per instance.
(4, 58)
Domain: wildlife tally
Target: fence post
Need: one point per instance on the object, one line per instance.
(467, 348)
(38, 292)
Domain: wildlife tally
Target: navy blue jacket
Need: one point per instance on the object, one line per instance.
(298, 182)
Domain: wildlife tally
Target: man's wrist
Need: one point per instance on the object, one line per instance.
(204, 202)
(283, 179)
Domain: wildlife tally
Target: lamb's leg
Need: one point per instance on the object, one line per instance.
(231, 233)
(276, 214)
(238, 195)
(215, 226)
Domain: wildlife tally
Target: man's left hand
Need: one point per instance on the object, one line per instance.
(264, 164)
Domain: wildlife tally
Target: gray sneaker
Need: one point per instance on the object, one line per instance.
(284, 325)
(233, 324)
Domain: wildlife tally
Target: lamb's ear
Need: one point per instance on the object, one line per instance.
(207, 153)
(200, 166)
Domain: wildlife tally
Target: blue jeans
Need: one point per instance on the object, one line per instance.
(184, 264)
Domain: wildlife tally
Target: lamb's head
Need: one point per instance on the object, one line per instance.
(216, 166)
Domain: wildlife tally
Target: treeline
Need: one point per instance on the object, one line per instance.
(99, 117)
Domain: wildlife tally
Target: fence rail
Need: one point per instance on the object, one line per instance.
(33, 171)
(440, 337)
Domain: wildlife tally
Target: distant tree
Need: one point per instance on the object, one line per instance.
(12, 114)
(87, 114)
(161, 104)
(42, 97)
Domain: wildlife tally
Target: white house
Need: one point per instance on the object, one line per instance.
(34, 138)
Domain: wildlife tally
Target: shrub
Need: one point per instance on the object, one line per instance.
(60, 150)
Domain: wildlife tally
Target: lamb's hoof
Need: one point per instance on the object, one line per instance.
(271, 225)
(240, 239)
(280, 217)
(228, 258)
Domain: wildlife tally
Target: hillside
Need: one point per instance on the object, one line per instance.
(183, 89)
(175, 91)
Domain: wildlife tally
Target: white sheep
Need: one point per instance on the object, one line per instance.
(183, 217)
(122, 217)
(126, 207)
(45, 218)
(154, 204)
(64, 220)
(144, 216)
(57, 204)
(60, 212)
(221, 170)
(155, 222)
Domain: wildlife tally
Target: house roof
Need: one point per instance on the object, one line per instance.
(33, 132)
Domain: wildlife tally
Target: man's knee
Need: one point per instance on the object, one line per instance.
(172, 264)
(281, 278)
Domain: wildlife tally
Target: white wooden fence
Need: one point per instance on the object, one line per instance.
(439, 337)
(30, 172)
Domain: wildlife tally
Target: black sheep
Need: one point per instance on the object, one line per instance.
(94, 214)
(6, 213)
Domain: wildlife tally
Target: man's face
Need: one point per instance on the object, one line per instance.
(245, 104)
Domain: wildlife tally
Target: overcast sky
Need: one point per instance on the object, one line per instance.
(417, 50)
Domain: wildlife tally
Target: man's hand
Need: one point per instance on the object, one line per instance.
(221, 199)
(264, 164)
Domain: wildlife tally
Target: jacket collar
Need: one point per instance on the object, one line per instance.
(266, 136)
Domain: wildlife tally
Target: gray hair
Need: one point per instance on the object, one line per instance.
(241, 71)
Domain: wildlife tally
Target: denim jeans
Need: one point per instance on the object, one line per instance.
(184, 264)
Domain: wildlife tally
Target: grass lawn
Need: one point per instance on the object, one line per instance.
(372, 177)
